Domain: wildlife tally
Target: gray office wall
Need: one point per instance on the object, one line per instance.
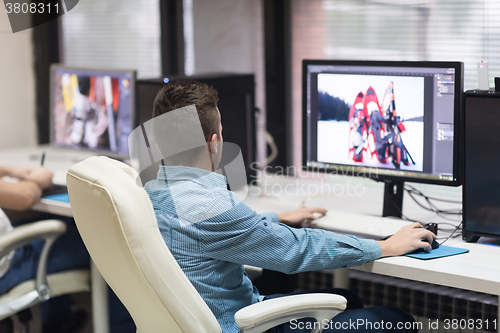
(228, 37)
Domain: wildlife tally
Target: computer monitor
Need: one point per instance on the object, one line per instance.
(236, 104)
(92, 109)
(393, 121)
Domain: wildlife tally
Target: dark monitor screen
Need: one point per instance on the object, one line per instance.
(481, 183)
(383, 120)
(236, 105)
(92, 109)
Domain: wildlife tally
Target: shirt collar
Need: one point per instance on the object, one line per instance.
(200, 176)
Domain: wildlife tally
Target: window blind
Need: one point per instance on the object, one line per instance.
(438, 30)
(122, 34)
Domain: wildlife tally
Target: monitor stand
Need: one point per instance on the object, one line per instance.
(393, 198)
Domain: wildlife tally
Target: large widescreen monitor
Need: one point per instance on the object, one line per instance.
(92, 109)
(389, 120)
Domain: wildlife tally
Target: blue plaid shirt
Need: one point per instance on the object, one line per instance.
(212, 234)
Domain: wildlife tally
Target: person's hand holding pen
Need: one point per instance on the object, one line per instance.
(27, 191)
(41, 175)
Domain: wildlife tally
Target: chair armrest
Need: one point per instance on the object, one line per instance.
(27, 233)
(253, 272)
(264, 315)
(22, 235)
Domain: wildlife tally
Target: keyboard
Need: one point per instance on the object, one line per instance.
(366, 226)
(56, 189)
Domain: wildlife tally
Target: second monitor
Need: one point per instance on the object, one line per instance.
(393, 121)
(92, 109)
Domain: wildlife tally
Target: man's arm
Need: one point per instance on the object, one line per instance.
(15, 172)
(406, 240)
(240, 235)
(235, 233)
(23, 194)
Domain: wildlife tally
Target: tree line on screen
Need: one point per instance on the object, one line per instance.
(332, 108)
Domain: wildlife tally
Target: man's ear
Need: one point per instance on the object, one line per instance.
(213, 144)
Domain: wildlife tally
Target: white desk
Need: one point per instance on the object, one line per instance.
(478, 270)
(59, 161)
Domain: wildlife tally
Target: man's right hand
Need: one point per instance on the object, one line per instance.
(408, 239)
(42, 177)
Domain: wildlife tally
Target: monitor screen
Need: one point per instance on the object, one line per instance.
(381, 119)
(92, 109)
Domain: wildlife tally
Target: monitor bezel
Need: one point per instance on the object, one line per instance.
(352, 170)
(133, 101)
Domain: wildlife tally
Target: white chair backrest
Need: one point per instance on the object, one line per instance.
(116, 220)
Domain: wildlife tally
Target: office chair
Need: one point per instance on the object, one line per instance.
(43, 287)
(116, 220)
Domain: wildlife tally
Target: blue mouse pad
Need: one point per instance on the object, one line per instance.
(441, 251)
(63, 197)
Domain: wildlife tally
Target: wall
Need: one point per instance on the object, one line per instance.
(228, 37)
(17, 87)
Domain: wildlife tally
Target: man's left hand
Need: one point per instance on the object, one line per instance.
(301, 215)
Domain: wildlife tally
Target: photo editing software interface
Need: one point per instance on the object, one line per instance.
(381, 119)
(92, 109)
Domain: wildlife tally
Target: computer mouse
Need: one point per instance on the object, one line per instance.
(434, 245)
(432, 227)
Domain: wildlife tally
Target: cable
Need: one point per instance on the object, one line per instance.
(406, 218)
(268, 138)
(438, 212)
(274, 148)
(403, 216)
(451, 235)
(432, 198)
(453, 225)
(432, 207)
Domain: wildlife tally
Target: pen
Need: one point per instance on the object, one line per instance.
(43, 159)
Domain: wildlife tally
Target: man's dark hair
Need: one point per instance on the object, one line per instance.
(180, 130)
(178, 94)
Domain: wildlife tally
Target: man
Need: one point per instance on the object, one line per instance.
(211, 233)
